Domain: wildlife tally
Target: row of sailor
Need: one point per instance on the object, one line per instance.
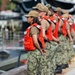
(48, 40)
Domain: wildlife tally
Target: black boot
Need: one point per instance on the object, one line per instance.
(58, 69)
(64, 66)
(67, 65)
(54, 73)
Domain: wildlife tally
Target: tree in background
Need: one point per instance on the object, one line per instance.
(0, 4)
(6, 5)
(10, 5)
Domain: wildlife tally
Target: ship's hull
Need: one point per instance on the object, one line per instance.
(67, 5)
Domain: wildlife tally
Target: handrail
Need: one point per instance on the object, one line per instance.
(2, 71)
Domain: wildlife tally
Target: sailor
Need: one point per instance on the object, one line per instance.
(72, 33)
(67, 41)
(46, 25)
(50, 8)
(34, 43)
(58, 55)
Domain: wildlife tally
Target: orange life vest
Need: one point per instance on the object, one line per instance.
(52, 18)
(49, 33)
(28, 41)
(56, 14)
(74, 26)
(49, 30)
(45, 17)
(55, 33)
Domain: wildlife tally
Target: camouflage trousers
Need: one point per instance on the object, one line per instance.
(58, 55)
(66, 49)
(70, 50)
(61, 54)
(53, 49)
(47, 66)
(33, 66)
(40, 64)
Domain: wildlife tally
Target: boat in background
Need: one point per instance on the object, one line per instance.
(68, 5)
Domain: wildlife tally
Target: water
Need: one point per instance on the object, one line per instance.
(12, 54)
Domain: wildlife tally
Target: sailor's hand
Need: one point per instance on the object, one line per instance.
(59, 42)
(44, 51)
(71, 40)
(41, 52)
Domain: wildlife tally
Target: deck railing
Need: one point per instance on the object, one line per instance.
(11, 40)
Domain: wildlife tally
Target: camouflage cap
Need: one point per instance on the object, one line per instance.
(70, 16)
(65, 15)
(45, 9)
(39, 6)
(48, 5)
(65, 11)
(49, 13)
(58, 9)
(32, 13)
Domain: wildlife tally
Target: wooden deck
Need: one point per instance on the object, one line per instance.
(70, 70)
(22, 70)
(17, 71)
